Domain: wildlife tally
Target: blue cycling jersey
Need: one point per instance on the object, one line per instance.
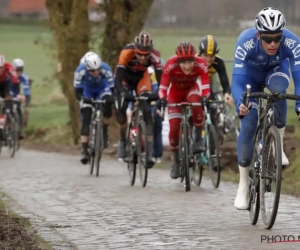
(252, 61)
(94, 87)
(24, 79)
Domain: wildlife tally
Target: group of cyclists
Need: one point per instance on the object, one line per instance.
(12, 79)
(261, 59)
(262, 56)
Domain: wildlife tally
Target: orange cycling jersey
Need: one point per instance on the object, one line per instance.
(130, 73)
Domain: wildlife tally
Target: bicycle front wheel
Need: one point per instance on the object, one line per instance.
(98, 145)
(131, 155)
(186, 159)
(213, 156)
(254, 181)
(270, 180)
(92, 143)
(10, 134)
(143, 152)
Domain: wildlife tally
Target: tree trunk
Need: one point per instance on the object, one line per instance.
(124, 20)
(70, 24)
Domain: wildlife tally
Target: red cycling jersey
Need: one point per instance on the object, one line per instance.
(9, 73)
(172, 73)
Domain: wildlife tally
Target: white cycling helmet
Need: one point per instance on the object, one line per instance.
(82, 60)
(270, 20)
(18, 63)
(92, 61)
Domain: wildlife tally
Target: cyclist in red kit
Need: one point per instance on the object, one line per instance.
(8, 75)
(184, 78)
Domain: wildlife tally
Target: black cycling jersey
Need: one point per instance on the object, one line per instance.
(218, 66)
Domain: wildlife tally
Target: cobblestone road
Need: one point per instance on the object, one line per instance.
(67, 205)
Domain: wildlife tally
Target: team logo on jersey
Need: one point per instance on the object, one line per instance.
(249, 45)
(239, 65)
(297, 62)
(296, 51)
(260, 57)
(170, 67)
(290, 43)
(240, 53)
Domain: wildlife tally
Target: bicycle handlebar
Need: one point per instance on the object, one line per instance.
(95, 101)
(274, 96)
(150, 98)
(246, 98)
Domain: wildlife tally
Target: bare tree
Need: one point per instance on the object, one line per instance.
(70, 25)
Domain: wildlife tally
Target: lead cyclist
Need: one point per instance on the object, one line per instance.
(262, 57)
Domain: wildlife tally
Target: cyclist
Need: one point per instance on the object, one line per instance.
(8, 78)
(91, 82)
(18, 64)
(208, 49)
(132, 74)
(180, 83)
(262, 57)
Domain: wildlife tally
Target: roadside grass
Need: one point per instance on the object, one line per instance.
(16, 231)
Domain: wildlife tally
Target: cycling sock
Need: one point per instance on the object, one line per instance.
(122, 132)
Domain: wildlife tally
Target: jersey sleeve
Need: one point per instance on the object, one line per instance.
(165, 81)
(221, 70)
(238, 84)
(203, 72)
(79, 77)
(107, 73)
(26, 85)
(291, 45)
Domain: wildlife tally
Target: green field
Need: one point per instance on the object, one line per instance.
(49, 108)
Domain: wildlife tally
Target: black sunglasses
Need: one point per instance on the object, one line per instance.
(94, 70)
(270, 39)
(140, 54)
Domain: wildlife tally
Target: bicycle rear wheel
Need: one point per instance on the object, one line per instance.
(92, 143)
(271, 174)
(186, 160)
(98, 145)
(143, 152)
(213, 155)
(254, 201)
(131, 155)
(11, 134)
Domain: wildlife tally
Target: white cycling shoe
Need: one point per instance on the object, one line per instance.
(242, 198)
(285, 160)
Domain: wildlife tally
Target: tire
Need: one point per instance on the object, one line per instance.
(18, 129)
(143, 152)
(10, 129)
(186, 159)
(131, 156)
(98, 146)
(213, 154)
(254, 199)
(1, 139)
(272, 134)
(197, 170)
(92, 143)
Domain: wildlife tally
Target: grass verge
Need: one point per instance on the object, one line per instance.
(16, 232)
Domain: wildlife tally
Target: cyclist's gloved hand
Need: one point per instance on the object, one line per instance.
(161, 103)
(126, 97)
(241, 108)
